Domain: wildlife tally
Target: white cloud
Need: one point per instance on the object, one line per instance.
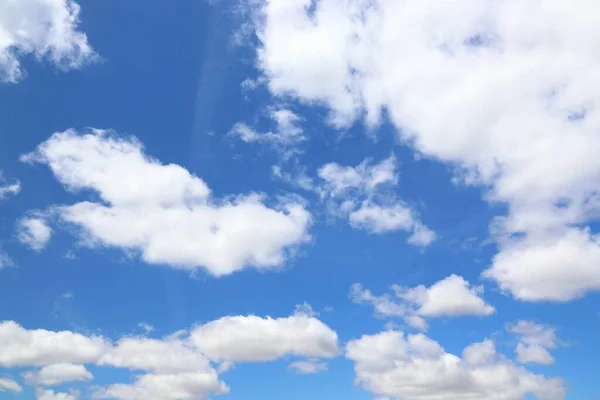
(449, 297)
(255, 339)
(285, 138)
(22, 347)
(147, 328)
(190, 385)
(178, 366)
(9, 385)
(42, 394)
(414, 367)
(8, 189)
(308, 367)
(34, 232)
(45, 29)
(362, 195)
(508, 92)
(164, 212)
(534, 342)
(57, 374)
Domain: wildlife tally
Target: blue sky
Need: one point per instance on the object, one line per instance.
(309, 199)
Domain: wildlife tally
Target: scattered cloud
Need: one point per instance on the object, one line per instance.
(182, 365)
(47, 394)
(8, 189)
(414, 367)
(533, 145)
(308, 367)
(9, 385)
(286, 138)
(147, 328)
(57, 374)
(362, 194)
(163, 212)
(34, 232)
(44, 29)
(534, 342)
(450, 297)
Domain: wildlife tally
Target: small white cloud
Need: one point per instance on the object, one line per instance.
(57, 374)
(8, 189)
(45, 29)
(9, 385)
(147, 328)
(305, 309)
(308, 367)
(450, 297)
(361, 194)
(34, 232)
(47, 394)
(534, 342)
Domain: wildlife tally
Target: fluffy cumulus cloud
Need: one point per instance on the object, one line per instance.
(534, 340)
(9, 385)
(507, 92)
(163, 212)
(57, 374)
(254, 339)
(34, 232)
(44, 29)
(450, 297)
(414, 367)
(24, 347)
(364, 195)
(183, 365)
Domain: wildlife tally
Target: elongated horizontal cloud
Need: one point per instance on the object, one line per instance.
(449, 297)
(9, 385)
(162, 211)
(8, 188)
(183, 365)
(57, 374)
(414, 367)
(507, 92)
(46, 29)
(47, 394)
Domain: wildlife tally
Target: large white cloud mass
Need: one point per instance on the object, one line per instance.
(505, 91)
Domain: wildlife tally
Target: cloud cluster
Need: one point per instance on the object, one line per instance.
(364, 195)
(34, 232)
(45, 29)
(184, 365)
(449, 297)
(414, 367)
(163, 212)
(506, 92)
(534, 342)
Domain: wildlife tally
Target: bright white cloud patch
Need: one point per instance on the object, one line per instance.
(450, 297)
(34, 232)
(255, 339)
(44, 29)
(48, 394)
(56, 374)
(23, 347)
(506, 91)
(164, 212)
(414, 367)
(7, 188)
(362, 195)
(534, 342)
(9, 385)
